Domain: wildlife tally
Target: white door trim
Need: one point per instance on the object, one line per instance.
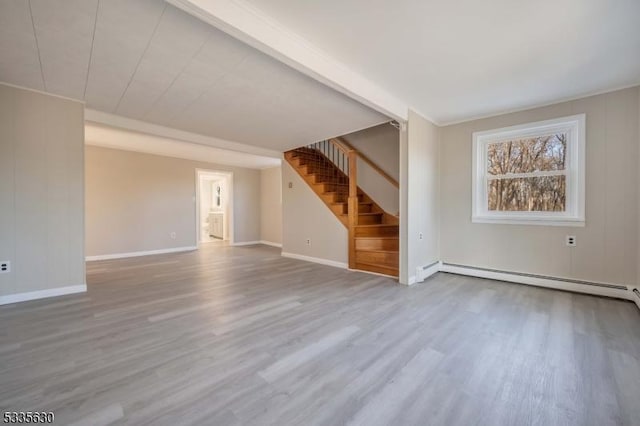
(229, 216)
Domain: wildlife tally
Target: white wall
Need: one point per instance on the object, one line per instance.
(271, 205)
(305, 216)
(41, 188)
(638, 180)
(381, 144)
(607, 248)
(134, 201)
(420, 234)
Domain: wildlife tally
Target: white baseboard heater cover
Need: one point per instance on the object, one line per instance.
(636, 293)
(580, 286)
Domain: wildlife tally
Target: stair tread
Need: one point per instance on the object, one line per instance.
(378, 225)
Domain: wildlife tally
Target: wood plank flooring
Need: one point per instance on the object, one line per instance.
(242, 336)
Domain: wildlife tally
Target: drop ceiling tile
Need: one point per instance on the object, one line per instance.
(221, 51)
(182, 93)
(215, 61)
(178, 38)
(65, 37)
(123, 30)
(19, 63)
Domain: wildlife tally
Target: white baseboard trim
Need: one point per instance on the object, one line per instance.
(245, 243)
(269, 243)
(316, 260)
(598, 289)
(139, 253)
(42, 294)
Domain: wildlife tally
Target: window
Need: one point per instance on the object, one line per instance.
(530, 174)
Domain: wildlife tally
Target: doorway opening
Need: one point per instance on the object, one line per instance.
(214, 206)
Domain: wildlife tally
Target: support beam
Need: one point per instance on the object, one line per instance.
(117, 121)
(263, 33)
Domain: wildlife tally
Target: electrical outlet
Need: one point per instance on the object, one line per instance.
(172, 235)
(290, 185)
(308, 242)
(571, 241)
(420, 236)
(5, 267)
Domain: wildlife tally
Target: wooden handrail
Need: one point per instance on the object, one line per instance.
(341, 145)
(345, 147)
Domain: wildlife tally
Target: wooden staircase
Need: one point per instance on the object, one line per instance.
(330, 169)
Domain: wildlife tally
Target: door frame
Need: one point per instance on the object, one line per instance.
(228, 176)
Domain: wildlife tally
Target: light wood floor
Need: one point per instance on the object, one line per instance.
(240, 335)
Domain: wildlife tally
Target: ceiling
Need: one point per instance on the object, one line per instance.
(149, 61)
(457, 60)
(111, 137)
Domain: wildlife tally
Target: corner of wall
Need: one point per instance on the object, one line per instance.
(638, 209)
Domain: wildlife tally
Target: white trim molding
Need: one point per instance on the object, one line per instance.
(139, 253)
(41, 92)
(319, 260)
(576, 286)
(245, 243)
(575, 160)
(269, 243)
(42, 294)
(251, 26)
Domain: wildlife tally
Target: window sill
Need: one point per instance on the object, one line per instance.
(529, 221)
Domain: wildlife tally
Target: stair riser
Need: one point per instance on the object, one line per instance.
(375, 244)
(340, 209)
(370, 220)
(365, 208)
(391, 220)
(378, 269)
(378, 231)
(320, 178)
(344, 208)
(381, 259)
(331, 187)
(306, 155)
(335, 198)
(318, 167)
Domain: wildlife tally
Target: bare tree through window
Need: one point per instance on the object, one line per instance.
(527, 174)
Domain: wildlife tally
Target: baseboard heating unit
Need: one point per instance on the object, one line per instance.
(636, 293)
(577, 286)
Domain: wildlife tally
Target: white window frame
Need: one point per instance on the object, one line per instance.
(574, 214)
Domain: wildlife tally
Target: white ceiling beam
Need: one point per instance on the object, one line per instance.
(111, 137)
(99, 117)
(261, 32)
